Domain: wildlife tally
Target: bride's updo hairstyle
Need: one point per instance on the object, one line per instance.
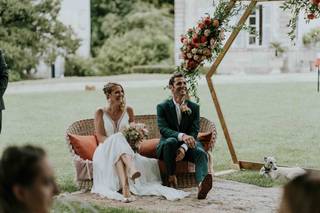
(108, 88)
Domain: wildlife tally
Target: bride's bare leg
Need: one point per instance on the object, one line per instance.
(123, 178)
(128, 162)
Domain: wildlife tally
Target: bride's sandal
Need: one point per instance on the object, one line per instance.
(127, 198)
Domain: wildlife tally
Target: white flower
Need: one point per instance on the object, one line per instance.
(196, 57)
(194, 51)
(189, 55)
(203, 58)
(200, 51)
(207, 32)
(222, 36)
(212, 42)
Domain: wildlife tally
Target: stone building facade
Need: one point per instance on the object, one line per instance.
(77, 15)
(249, 53)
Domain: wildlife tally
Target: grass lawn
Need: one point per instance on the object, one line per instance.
(278, 119)
(83, 207)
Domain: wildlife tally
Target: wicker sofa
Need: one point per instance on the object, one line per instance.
(185, 170)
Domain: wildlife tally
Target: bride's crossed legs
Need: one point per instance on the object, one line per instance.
(125, 168)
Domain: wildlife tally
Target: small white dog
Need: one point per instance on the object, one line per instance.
(270, 169)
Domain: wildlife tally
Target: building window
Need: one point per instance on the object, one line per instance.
(255, 27)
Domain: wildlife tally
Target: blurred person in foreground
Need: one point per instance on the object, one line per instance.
(3, 83)
(302, 195)
(27, 182)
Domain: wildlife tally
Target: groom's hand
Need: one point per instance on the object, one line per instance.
(189, 140)
(180, 154)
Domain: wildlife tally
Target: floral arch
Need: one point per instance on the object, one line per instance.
(204, 43)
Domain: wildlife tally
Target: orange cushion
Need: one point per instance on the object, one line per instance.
(148, 148)
(206, 139)
(83, 145)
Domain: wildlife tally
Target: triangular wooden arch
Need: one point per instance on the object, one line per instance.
(241, 164)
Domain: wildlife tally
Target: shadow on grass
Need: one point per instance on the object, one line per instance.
(253, 177)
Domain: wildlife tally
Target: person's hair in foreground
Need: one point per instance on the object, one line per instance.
(27, 182)
(302, 195)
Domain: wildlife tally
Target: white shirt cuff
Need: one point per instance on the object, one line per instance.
(185, 147)
(180, 135)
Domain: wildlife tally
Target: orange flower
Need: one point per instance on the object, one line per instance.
(215, 23)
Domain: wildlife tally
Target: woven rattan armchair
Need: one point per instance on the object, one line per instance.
(86, 127)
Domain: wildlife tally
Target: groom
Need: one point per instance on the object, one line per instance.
(3, 83)
(178, 121)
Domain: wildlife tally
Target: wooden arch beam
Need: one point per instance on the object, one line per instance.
(241, 163)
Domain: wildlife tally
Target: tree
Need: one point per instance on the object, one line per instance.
(99, 9)
(30, 31)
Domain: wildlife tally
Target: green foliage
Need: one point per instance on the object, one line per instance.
(78, 66)
(164, 69)
(140, 38)
(295, 7)
(30, 31)
(136, 47)
(312, 38)
(101, 8)
(140, 34)
(278, 49)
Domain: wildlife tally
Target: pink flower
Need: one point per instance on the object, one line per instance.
(185, 41)
(195, 39)
(182, 39)
(182, 56)
(203, 39)
(316, 2)
(191, 64)
(311, 16)
(201, 25)
(207, 21)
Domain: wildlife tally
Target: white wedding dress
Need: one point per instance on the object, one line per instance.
(105, 179)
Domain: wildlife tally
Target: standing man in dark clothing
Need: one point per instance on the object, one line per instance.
(3, 83)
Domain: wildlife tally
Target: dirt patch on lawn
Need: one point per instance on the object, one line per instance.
(226, 196)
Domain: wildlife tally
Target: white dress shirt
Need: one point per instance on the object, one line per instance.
(179, 116)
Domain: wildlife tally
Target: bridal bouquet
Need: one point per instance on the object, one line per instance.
(134, 134)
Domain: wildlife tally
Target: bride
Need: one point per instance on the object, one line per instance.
(115, 166)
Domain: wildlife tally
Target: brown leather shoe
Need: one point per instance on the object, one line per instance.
(172, 181)
(205, 187)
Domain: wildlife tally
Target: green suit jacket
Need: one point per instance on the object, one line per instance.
(168, 122)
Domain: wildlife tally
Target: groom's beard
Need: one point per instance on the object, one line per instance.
(181, 95)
